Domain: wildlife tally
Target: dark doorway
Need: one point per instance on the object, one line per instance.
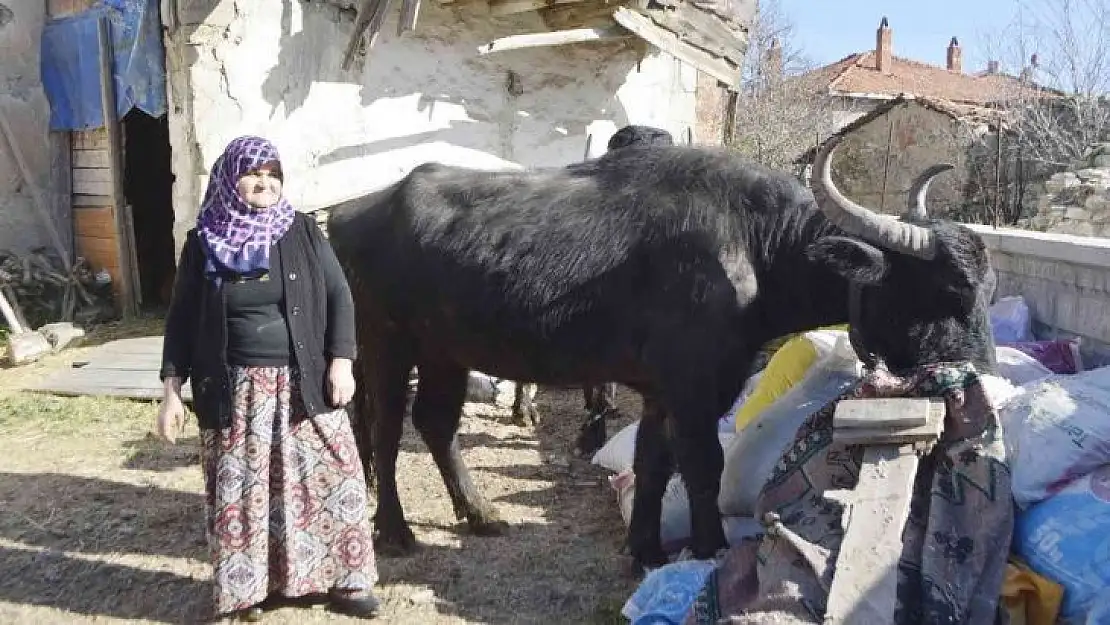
(148, 186)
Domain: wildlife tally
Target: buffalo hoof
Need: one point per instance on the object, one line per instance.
(638, 567)
(591, 437)
(398, 543)
(488, 527)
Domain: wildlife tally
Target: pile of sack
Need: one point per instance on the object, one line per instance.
(1056, 420)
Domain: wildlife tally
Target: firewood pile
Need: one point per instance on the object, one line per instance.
(43, 291)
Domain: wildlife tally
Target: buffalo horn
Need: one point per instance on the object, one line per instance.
(920, 188)
(882, 230)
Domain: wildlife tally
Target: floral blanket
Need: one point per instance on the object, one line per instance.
(956, 540)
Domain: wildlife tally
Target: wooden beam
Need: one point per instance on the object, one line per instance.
(511, 7)
(128, 288)
(557, 38)
(698, 27)
(410, 11)
(670, 43)
(892, 432)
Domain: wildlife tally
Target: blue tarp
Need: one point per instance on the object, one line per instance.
(70, 63)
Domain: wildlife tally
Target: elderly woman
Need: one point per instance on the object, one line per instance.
(262, 321)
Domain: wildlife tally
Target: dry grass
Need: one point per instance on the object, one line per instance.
(101, 522)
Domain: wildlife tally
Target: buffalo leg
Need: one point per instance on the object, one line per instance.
(436, 413)
(601, 404)
(524, 407)
(700, 461)
(652, 464)
(387, 384)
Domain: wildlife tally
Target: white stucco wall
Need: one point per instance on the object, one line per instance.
(23, 103)
(247, 66)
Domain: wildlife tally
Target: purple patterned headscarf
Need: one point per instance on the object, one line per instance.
(237, 237)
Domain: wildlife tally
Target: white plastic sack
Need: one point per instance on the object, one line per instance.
(618, 452)
(1019, 367)
(757, 448)
(674, 522)
(999, 390)
(1010, 320)
(1066, 538)
(1057, 431)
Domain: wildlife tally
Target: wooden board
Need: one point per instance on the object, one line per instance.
(927, 433)
(891, 412)
(91, 159)
(699, 28)
(670, 43)
(865, 584)
(59, 8)
(124, 368)
(92, 139)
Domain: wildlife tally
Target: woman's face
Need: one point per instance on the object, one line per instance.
(261, 188)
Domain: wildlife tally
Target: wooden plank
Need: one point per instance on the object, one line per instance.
(92, 188)
(121, 362)
(865, 584)
(511, 7)
(124, 284)
(91, 158)
(150, 345)
(92, 201)
(92, 174)
(893, 412)
(929, 432)
(670, 43)
(95, 222)
(699, 28)
(122, 368)
(410, 11)
(92, 139)
(557, 38)
(61, 8)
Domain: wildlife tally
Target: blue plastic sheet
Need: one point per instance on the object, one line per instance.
(70, 63)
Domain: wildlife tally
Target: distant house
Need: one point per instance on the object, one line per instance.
(898, 116)
(863, 80)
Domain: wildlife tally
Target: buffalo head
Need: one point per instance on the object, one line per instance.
(921, 286)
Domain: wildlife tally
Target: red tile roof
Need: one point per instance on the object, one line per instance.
(859, 74)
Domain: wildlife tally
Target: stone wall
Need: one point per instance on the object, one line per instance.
(877, 162)
(27, 112)
(1077, 201)
(256, 66)
(1064, 278)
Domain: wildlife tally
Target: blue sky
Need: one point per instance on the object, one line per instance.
(827, 30)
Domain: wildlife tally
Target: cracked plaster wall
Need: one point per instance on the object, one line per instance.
(23, 103)
(273, 67)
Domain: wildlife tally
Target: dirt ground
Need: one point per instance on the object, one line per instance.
(99, 522)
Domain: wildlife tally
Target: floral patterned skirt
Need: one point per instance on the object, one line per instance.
(286, 498)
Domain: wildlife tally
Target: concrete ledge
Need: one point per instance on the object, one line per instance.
(1065, 280)
(1090, 251)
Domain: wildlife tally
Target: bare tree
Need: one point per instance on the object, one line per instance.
(1058, 51)
(779, 112)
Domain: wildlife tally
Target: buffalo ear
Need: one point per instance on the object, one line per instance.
(850, 258)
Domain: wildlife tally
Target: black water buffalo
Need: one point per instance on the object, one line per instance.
(600, 401)
(661, 268)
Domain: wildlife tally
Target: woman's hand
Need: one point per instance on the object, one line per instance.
(171, 415)
(341, 382)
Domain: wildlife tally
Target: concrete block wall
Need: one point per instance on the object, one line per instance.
(1064, 278)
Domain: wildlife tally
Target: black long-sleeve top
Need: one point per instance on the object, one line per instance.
(317, 307)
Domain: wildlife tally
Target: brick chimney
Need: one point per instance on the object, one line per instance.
(883, 47)
(955, 56)
(992, 67)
